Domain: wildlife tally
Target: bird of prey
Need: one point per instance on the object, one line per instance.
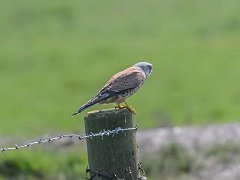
(120, 86)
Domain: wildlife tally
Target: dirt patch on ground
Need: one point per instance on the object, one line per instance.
(190, 137)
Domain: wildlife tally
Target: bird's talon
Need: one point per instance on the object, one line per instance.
(119, 107)
(130, 108)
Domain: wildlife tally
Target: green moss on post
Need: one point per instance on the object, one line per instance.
(112, 154)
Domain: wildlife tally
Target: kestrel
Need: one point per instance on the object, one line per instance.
(120, 86)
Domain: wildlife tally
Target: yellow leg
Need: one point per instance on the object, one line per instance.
(130, 108)
(119, 106)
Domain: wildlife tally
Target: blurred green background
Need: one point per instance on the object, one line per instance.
(55, 55)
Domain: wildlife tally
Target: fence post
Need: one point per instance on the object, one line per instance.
(116, 154)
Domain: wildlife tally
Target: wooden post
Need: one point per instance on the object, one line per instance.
(112, 154)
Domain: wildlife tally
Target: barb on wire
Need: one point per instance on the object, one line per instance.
(101, 173)
(108, 175)
(70, 136)
(141, 172)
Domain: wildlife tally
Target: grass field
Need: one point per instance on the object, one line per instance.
(55, 55)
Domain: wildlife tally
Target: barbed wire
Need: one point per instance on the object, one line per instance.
(101, 133)
(127, 173)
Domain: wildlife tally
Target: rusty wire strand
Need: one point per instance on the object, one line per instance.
(102, 133)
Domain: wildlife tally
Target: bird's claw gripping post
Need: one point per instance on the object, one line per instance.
(130, 108)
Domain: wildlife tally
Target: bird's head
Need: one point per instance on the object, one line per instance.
(145, 66)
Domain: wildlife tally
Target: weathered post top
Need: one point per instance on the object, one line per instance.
(112, 155)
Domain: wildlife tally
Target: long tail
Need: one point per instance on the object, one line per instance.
(95, 100)
(83, 107)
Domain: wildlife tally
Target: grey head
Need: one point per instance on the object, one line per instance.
(145, 66)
